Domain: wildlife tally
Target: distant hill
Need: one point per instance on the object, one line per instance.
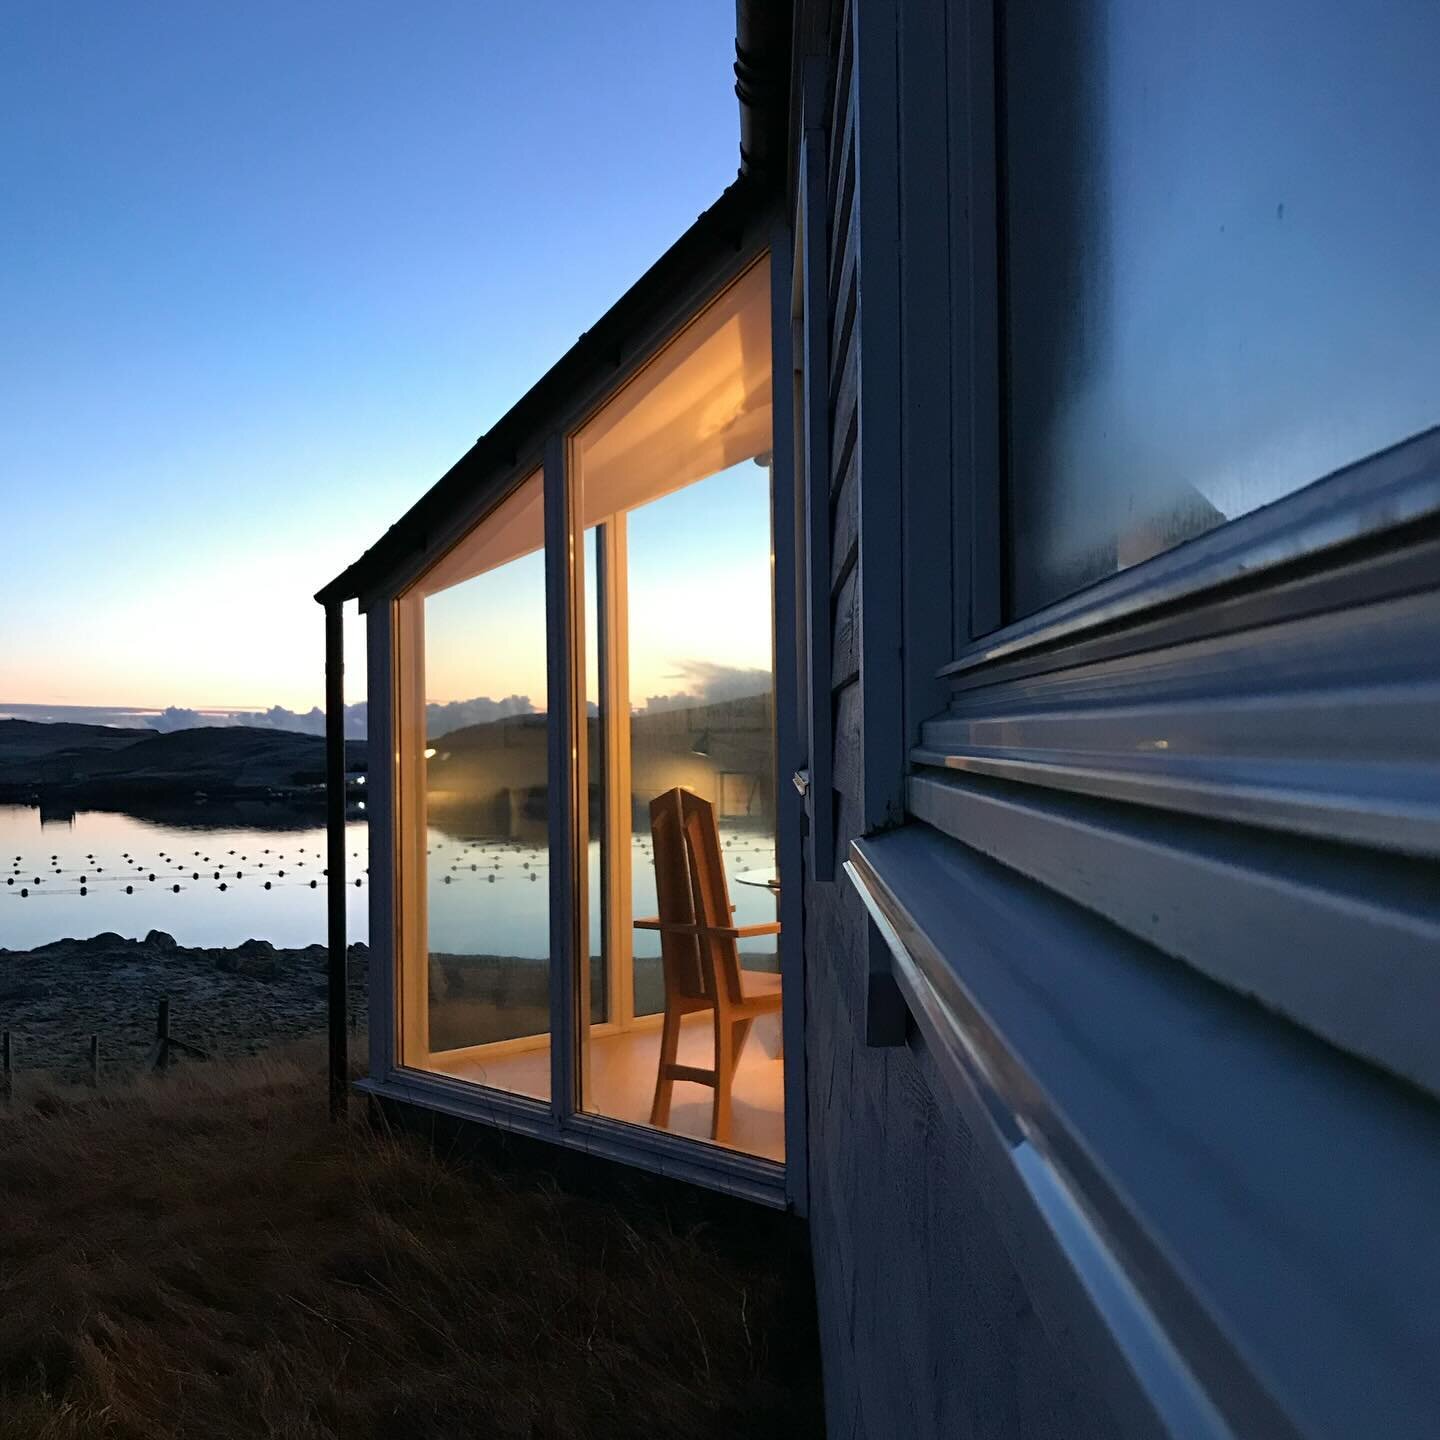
(100, 761)
(21, 738)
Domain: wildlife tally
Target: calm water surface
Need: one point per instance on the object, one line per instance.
(111, 852)
(488, 895)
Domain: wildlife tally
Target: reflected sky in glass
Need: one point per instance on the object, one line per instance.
(1223, 264)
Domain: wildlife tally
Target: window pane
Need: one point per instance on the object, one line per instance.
(475, 896)
(672, 480)
(702, 692)
(1221, 275)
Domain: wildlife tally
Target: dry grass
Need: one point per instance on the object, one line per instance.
(209, 1256)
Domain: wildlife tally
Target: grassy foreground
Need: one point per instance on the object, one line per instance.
(208, 1256)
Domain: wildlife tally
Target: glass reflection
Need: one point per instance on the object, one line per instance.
(474, 808)
(1222, 224)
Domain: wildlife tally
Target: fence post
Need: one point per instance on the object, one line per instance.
(162, 1034)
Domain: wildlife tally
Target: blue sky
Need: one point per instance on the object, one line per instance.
(270, 268)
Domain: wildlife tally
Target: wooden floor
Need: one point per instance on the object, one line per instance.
(622, 1081)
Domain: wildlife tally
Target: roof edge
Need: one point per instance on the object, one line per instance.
(596, 354)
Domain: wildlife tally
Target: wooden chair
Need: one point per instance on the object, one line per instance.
(698, 953)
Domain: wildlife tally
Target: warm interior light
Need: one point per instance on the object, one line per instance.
(429, 752)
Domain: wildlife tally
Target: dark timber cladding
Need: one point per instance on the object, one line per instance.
(898, 1207)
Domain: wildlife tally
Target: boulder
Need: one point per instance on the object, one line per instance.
(160, 940)
(106, 940)
(256, 950)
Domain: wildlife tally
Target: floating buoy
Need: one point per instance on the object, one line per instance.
(313, 883)
(176, 889)
(194, 874)
(267, 884)
(357, 884)
(23, 892)
(129, 889)
(224, 886)
(84, 891)
(151, 877)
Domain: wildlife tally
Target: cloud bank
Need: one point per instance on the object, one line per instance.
(700, 682)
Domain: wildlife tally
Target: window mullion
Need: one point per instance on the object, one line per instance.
(563, 582)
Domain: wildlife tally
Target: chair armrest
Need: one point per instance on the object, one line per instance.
(728, 932)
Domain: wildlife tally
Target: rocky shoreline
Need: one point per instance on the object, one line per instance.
(225, 1001)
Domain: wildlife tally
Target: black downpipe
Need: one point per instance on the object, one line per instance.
(335, 851)
(762, 84)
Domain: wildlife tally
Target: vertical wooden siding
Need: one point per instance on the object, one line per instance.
(926, 1329)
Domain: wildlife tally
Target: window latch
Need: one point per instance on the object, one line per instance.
(801, 781)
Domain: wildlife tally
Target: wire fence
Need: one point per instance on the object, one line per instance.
(162, 1054)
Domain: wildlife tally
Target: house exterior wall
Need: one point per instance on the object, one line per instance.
(1064, 1175)
(927, 1329)
(1084, 1185)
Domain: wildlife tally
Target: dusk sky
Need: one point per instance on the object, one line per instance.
(270, 268)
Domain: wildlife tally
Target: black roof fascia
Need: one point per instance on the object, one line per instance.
(593, 360)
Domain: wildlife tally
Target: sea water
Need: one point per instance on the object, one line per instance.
(218, 881)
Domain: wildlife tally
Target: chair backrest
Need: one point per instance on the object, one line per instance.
(690, 889)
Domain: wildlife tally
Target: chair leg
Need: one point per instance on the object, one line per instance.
(724, 1075)
(742, 1033)
(664, 1077)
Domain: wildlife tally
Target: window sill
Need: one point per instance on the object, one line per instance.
(1230, 1218)
(1390, 490)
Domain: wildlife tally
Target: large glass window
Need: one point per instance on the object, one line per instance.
(673, 480)
(674, 934)
(474, 807)
(1220, 263)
